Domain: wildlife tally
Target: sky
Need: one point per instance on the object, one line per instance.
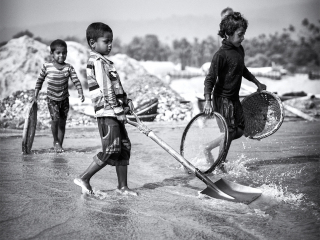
(166, 18)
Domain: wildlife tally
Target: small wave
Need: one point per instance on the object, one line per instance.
(280, 194)
(237, 167)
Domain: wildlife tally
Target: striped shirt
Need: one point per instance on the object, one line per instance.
(105, 88)
(58, 80)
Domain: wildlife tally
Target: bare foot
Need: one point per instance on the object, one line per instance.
(57, 147)
(86, 188)
(126, 191)
(222, 167)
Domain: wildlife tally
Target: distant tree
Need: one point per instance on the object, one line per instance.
(182, 49)
(147, 48)
(310, 40)
(3, 43)
(150, 48)
(164, 52)
(196, 53)
(39, 39)
(23, 33)
(72, 38)
(208, 47)
(134, 48)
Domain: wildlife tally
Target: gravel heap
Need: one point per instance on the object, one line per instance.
(142, 89)
(14, 109)
(171, 106)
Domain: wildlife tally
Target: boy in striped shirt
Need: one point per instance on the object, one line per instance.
(110, 104)
(57, 73)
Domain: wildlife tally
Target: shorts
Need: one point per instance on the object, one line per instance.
(58, 109)
(231, 110)
(116, 145)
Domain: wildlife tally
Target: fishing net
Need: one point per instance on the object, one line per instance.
(204, 141)
(263, 113)
(29, 128)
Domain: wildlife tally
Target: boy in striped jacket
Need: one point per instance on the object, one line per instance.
(57, 73)
(110, 104)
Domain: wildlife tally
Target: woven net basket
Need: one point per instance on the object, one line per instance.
(263, 113)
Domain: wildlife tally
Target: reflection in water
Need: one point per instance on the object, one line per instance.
(39, 200)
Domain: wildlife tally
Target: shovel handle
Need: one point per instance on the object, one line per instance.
(143, 128)
(178, 157)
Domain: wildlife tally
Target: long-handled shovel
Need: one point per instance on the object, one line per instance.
(222, 189)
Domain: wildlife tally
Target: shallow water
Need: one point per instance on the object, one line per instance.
(40, 201)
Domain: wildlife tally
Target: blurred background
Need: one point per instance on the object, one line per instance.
(171, 40)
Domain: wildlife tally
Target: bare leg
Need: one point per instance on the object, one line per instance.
(54, 129)
(211, 145)
(122, 173)
(233, 136)
(61, 132)
(84, 179)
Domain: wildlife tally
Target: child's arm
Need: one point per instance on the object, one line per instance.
(250, 77)
(40, 80)
(129, 107)
(210, 80)
(36, 94)
(76, 82)
(260, 85)
(208, 105)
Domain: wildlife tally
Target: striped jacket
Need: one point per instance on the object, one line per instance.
(105, 88)
(58, 80)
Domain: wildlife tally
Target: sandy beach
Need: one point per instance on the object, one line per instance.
(40, 201)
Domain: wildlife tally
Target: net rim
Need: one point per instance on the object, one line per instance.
(222, 155)
(281, 107)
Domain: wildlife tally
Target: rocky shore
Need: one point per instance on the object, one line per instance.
(14, 109)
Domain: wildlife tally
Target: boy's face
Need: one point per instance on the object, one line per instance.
(238, 36)
(59, 55)
(103, 45)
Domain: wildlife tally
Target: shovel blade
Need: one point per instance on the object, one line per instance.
(239, 192)
(211, 192)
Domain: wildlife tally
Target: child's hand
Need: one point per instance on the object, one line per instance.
(81, 96)
(34, 99)
(130, 105)
(261, 87)
(207, 107)
(126, 110)
(122, 118)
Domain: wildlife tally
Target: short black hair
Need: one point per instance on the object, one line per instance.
(96, 30)
(57, 43)
(231, 23)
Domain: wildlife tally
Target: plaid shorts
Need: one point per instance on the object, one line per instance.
(58, 109)
(116, 145)
(231, 110)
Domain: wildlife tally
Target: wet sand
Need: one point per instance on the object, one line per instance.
(40, 201)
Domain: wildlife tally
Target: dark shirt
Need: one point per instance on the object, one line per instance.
(226, 71)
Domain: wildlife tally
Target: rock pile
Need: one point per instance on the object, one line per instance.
(14, 109)
(143, 88)
(21, 60)
(127, 67)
